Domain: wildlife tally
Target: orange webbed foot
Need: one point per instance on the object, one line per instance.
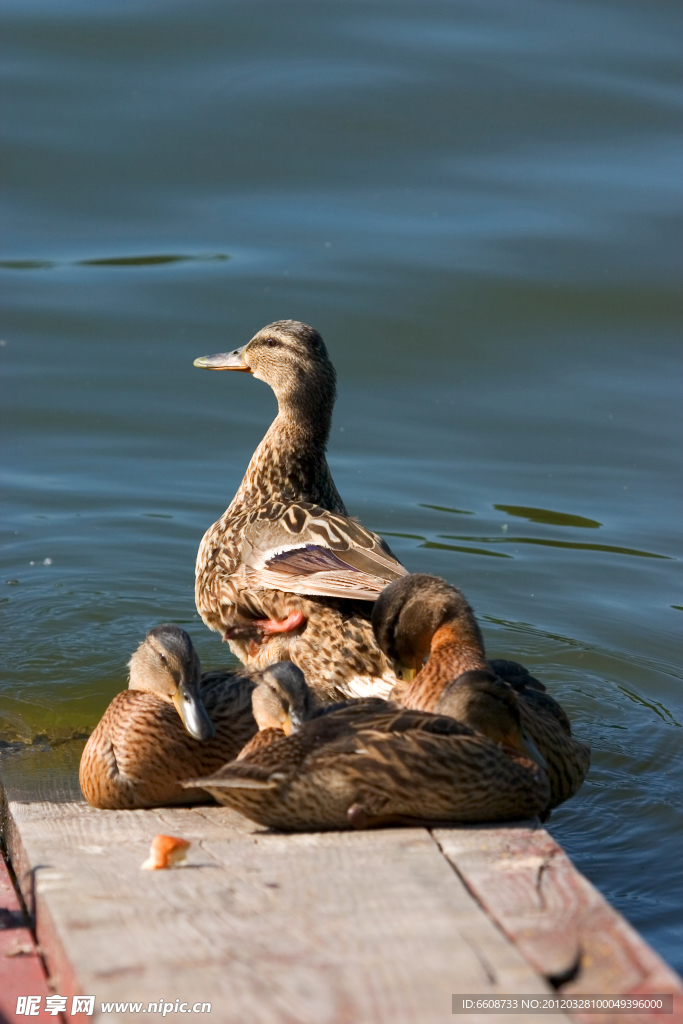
(293, 621)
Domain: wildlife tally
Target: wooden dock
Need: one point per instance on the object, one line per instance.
(331, 928)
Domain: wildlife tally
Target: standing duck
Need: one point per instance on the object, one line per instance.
(422, 616)
(369, 764)
(285, 573)
(170, 724)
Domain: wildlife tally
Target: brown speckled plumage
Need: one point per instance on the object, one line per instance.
(140, 750)
(286, 543)
(365, 764)
(423, 615)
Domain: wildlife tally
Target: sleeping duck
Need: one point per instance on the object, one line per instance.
(422, 616)
(369, 763)
(170, 724)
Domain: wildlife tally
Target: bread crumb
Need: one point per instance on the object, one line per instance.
(166, 852)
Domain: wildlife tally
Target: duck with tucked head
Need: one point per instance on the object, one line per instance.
(368, 763)
(170, 724)
(285, 573)
(422, 616)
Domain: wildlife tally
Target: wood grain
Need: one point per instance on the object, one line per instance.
(556, 918)
(271, 929)
(314, 928)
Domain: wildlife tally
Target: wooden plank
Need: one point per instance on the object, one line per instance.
(331, 928)
(21, 969)
(335, 927)
(557, 919)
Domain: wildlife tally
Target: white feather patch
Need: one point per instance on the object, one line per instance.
(367, 686)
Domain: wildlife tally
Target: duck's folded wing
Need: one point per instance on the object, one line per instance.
(236, 777)
(307, 550)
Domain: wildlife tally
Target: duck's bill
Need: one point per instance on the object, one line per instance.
(225, 361)
(532, 751)
(408, 673)
(193, 714)
(292, 722)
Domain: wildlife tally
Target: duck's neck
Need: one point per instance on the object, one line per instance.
(451, 653)
(290, 463)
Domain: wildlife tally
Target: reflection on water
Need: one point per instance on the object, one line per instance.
(476, 204)
(658, 709)
(468, 550)
(534, 516)
(544, 515)
(145, 261)
(26, 264)
(442, 508)
(111, 261)
(557, 544)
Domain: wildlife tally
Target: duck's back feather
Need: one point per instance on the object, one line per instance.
(301, 548)
(397, 763)
(140, 751)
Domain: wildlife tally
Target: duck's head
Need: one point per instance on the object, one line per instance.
(282, 699)
(288, 355)
(166, 664)
(488, 705)
(414, 615)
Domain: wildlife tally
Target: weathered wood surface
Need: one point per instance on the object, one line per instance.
(557, 919)
(320, 928)
(332, 928)
(21, 969)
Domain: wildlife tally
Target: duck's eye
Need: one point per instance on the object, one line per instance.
(272, 343)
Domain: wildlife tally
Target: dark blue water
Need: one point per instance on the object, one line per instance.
(478, 205)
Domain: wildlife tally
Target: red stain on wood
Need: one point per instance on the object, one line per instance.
(62, 973)
(21, 969)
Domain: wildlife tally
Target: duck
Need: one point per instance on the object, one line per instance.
(286, 573)
(423, 617)
(172, 723)
(368, 763)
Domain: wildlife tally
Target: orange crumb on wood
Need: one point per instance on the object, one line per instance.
(166, 852)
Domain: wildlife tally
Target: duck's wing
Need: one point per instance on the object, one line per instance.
(340, 724)
(226, 692)
(268, 760)
(304, 549)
